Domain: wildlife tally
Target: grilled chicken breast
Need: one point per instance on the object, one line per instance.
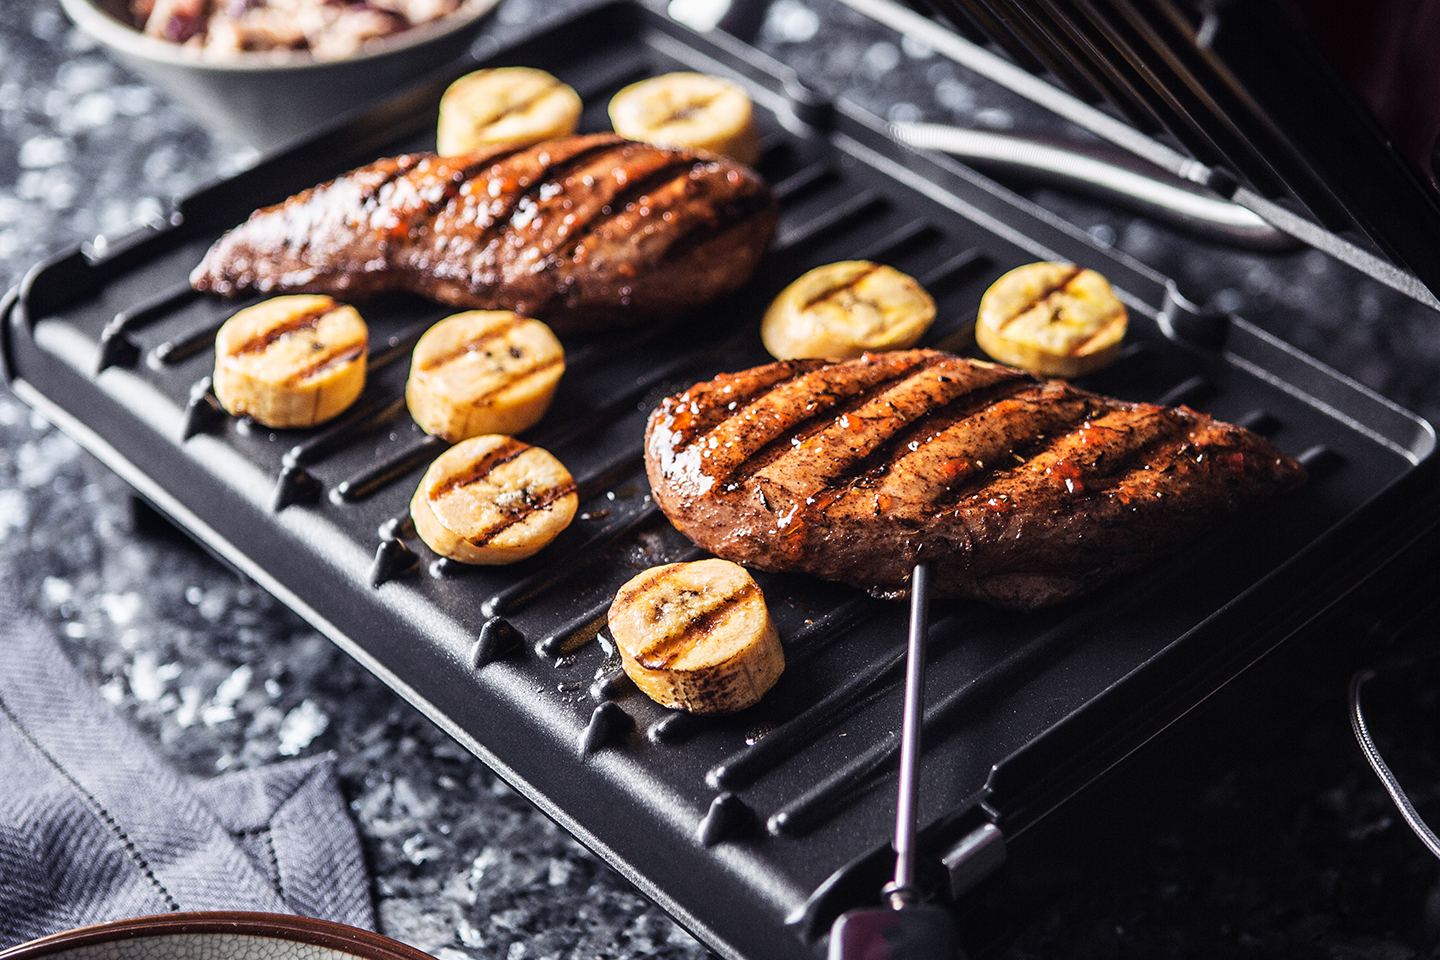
(583, 232)
(1021, 492)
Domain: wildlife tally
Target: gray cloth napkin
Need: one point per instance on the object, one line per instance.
(95, 827)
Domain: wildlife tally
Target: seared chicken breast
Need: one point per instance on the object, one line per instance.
(582, 232)
(1021, 492)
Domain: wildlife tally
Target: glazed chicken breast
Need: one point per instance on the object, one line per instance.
(1021, 492)
(583, 232)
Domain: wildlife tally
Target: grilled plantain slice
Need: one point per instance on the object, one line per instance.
(514, 106)
(483, 371)
(1054, 319)
(492, 500)
(697, 636)
(841, 310)
(291, 361)
(691, 111)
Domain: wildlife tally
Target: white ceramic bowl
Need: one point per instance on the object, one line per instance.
(267, 99)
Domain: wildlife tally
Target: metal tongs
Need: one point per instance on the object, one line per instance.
(907, 929)
(1108, 172)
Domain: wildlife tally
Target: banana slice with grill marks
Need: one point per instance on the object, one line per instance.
(1054, 319)
(483, 371)
(493, 500)
(291, 361)
(505, 106)
(697, 636)
(841, 310)
(692, 111)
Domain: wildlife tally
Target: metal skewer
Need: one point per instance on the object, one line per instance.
(907, 930)
(901, 890)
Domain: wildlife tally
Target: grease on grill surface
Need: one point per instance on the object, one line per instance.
(493, 500)
(697, 636)
(291, 361)
(483, 371)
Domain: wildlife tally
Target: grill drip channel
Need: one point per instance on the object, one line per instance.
(752, 830)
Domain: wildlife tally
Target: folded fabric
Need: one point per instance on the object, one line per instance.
(95, 827)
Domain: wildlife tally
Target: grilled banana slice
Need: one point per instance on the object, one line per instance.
(841, 310)
(697, 636)
(492, 500)
(692, 111)
(483, 371)
(291, 361)
(1054, 319)
(507, 105)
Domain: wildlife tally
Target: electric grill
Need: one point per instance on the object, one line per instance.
(756, 830)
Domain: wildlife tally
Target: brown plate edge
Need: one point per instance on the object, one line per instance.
(309, 930)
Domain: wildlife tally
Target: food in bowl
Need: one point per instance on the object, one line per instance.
(1020, 492)
(583, 233)
(328, 29)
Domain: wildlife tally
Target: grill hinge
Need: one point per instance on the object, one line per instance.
(978, 855)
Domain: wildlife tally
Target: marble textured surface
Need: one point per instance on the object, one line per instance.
(1286, 852)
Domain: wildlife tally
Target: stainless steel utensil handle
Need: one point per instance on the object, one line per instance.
(902, 891)
(1102, 171)
(1412, 817)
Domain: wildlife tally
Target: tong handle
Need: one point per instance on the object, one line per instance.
(902, 891)
(908, 930)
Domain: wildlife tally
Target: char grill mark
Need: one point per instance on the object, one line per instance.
(832, 292)
(662, 650)
(482, 468)
(1079, 462)
(793, 430)
(470, 346)
(529, 371)
(872, 470)
(827, 452)
(502, 224)
(338, 360)
(1041, 297)
(701, 232)
(307, 320)
(619, 205)
(524, 105)
(1052, 423)
(531, 505)
(967, 454)
(617, 162)
(463, 175)
(701, 408)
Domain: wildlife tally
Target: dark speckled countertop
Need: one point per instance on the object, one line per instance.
(1276, 845)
